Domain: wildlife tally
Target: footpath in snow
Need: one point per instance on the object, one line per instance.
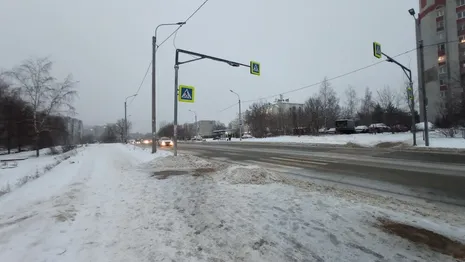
(119, 203)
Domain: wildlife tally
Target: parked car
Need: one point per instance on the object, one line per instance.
(165, 142)
(379, 128)
(245, 136)
(361, 129)
(399, 128)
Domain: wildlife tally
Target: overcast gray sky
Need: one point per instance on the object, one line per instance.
(106, 45)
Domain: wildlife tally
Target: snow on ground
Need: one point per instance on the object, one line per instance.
(32, 166)
(104, 207)
(436, 139)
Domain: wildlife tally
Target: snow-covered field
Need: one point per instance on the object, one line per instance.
(120, 203)
(437, 140)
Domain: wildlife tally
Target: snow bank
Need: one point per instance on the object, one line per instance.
(437, 140)
(248, 175)
(180, 162)
(144, 154)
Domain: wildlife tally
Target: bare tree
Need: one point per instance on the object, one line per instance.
(366, 107)
(43, 93)
(330, 103)
(351, 104)
(313, 110)
(120, 128)
(387, 97)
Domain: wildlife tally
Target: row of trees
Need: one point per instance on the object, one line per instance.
(33, 104)
(113, 133)
(321, 110)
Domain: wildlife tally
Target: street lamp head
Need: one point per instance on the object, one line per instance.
(181, 23)
(231, 91)
(411, 11)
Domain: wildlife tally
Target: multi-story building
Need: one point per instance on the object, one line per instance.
(75, 130)
(442, 27)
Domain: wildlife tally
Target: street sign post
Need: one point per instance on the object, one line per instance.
(378, 54)
(254, 68)
(377, 50)
(186, 94)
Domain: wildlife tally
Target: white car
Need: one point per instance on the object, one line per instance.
(165, 142)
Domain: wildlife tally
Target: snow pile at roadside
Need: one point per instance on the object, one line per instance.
(180, 162)
(248, 175)
(144, 154)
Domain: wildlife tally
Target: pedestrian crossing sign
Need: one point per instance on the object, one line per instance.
(186, 94)
(377, 50)
(254, 68)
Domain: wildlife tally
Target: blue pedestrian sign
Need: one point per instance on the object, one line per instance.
(254, 68)
(186, 94)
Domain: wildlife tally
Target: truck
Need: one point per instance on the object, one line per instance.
(345, 126)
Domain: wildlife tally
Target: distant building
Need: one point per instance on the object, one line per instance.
(75, 130)
(283, 106)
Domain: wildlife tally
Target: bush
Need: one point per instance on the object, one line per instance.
(54, 151)
(68, 148)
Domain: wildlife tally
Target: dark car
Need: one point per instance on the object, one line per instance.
(399, 128)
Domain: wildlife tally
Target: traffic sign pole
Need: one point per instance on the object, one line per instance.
(254, 69)
(378, 54)
(175, 124)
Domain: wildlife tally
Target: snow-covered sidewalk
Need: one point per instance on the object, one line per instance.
(110, 204)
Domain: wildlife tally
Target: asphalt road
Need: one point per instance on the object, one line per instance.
(434, 176)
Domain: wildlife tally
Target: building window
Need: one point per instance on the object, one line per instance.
(442, 81)
(442, 59)
(442, 70)
(440, 12)
(460, 2)
(460, 14)
(440, 24)
(462, 39)
(441, 34)
(461, 27)
(441, 47)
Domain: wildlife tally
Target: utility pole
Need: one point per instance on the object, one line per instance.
(125, 131)
(240, 115)
(154, 91)
(421, 76)
(125, 123)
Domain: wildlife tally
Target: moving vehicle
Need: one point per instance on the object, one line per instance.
(165, 142)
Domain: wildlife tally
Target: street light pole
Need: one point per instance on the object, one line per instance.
(154, 93)
(125, 131)
(421, 75)
(240, 115)
(196, 123)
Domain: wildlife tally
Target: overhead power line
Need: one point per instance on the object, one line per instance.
(166, 39)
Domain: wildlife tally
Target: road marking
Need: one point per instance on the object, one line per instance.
(300, 161)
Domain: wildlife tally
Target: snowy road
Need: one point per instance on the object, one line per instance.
(104, 205)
